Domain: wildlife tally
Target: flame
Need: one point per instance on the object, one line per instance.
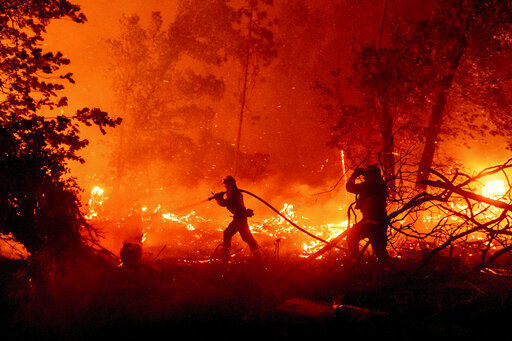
(494, 189)
(95, 204)
(202, 233)
(155, 220)
(278, 228)
(185, 220)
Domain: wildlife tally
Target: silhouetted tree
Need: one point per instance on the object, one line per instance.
(450, 65)
(167, 82)
(258, 46)
(383, 123)
(157, 97)
(462, 46)
(38, 199)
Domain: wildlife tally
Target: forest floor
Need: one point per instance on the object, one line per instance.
(282, 298)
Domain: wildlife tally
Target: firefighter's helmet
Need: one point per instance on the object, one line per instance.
(229, 180)
(373, 169)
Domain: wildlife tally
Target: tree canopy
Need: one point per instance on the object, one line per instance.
(168, 79)
(437, 77)
(38, 200)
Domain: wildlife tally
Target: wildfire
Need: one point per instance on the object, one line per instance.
(95, 202)
(156, 222)
(278, 228)
(494, 189)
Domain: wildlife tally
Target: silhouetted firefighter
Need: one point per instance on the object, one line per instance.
(234, 202)
(371, 200)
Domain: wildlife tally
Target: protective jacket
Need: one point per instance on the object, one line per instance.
(370, 199)
(234, 202)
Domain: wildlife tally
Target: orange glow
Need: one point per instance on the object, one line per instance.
(159, 225)
(283, 122)
(95, 202)
(494, 189)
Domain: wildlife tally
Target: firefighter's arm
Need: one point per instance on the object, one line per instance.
(230, 200)
(221, 201)
(219, 197)
(351, 185)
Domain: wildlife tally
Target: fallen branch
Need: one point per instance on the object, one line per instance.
(467, 194)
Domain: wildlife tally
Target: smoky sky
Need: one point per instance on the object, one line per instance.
(284, 118)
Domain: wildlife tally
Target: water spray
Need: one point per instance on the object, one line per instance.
(190, 205)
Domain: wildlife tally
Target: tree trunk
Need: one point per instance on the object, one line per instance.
(119, 160)
(244, 87)
(387, 155)
(436, 119)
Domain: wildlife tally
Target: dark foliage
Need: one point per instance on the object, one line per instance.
(440, 77)
(38, 202)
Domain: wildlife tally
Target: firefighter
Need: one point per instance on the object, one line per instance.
(371, 200)
(234, 202)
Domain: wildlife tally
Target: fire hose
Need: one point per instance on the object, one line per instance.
(284, 217)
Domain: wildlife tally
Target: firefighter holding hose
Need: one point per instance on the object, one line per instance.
(371, 200)
(234, 202)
